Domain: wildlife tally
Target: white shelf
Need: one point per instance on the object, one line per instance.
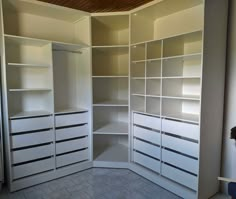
(112, 46)
(182, 56)
(138, 61)
(115, 153)
(114, 128)
(183, 117)
(138, 78)
(30, 90)
(182, 77)
(154, 96)
(69, 110)
(138, 94)
(183, 97)
(29, 114)
(112, 103)
(28, 65)
(112, 76)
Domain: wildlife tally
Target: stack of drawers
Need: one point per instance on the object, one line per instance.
(71, 138)
(170, 148)
(31, 146)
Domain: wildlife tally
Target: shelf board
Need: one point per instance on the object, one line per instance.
(138, 94)
(154, 96)
(153, 77)
(112, 76)
(30, 90)
(30, 114)
(138, 61)
(28, 65)
(147, 113)
(137, 78)
(186, 117)
(60, 111)
(183, 97)
(181, 56)
(154, 59)
(111, 46)
(182, 77)
(114, 128)
(115, 153)
(112, 103)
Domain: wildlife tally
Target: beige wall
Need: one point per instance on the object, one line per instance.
(229, 146)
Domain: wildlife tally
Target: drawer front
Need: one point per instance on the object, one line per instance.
(147, 162)
(33, 168)
(32, 154)
(71, 119)
(147, 121)
(183, 146)
(146, 148)
(179, 176)
(181, 129)
(148, 135)
(71, 158)
(180, 161)
(31, 124)
(72, 145)
(73, 132)
(31, 139)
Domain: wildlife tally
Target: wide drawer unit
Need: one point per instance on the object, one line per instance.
(147, 135)
(72, 158)
(31, 139)
(72, 145)
(147, 162)
(31, 124)
(180, 161)
(183, 129)
(147, 121)
(34, 153)
(181, 177)
(32, 168)
(147, 148)
(71, 132)
(71, 119)
(180, 145)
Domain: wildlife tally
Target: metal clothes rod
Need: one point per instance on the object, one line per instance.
(71, 51)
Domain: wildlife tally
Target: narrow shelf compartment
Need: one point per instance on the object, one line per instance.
(138, 53)
(183, 45)
(187, 66)
(114, 153)
(153, 105)
(110, 61)
(138, 103)
(182, 88)
(110, 30)
(60, 111)
(154, 50)
(138, 86)
(114, 128)
(153, 87)
(180, 109)
(138, 70)
(153, 69)
(29, 114)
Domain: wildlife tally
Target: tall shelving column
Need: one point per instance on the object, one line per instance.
(110, 56)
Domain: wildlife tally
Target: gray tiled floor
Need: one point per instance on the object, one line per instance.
(95, 184)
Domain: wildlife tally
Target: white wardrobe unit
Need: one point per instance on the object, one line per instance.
(46, 70)
(177, 94)
(142, 90)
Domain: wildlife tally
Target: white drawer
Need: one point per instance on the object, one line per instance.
(181, 128)
(71, 132)
(147, 121)
(180, 145)
(33, 168)
(31, 139)
(71, 119)
(146, 148)
(71, 145)
(71, 158)
(147, 162)
(179, 176)
(148, 135)
(32, 153)
(31, 124)
(180, 161)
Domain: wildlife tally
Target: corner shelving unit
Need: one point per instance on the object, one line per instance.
(110, 89)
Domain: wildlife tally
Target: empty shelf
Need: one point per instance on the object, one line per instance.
(112, 103)
(184, 97)
(29, 114)
(28, 65)
(116, 153)
(60, 111)
(112, 76)
(183, 117)
(115, 128)
(29, 89)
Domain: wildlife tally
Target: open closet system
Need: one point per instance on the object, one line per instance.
(141, 90)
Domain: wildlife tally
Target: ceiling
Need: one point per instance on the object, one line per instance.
(99, 5)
